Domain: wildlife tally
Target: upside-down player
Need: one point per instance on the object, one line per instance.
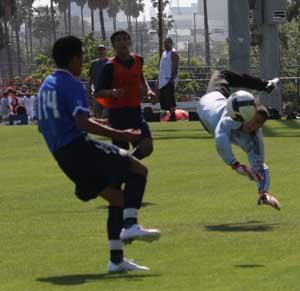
(244, 130)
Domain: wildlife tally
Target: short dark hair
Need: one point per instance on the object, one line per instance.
(119, 32)
(263, 111)
(169, 39)
(65, 49)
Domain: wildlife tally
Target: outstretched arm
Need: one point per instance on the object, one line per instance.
(256, 161)
(91, 125)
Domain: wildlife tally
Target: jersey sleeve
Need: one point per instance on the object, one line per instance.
(76, 100)
(256, 160)
(222, 139)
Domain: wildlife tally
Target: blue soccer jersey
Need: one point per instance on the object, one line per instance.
(60, 99)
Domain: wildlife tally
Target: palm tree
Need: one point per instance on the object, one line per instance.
(127, 7)
(81, 3)
(7, 10)
(17, 26)
(137, 8)
(113, 10)
(167, 20)
(53, 20)
(102, 4)
(63, 6)
(28, 4)
(92, 5)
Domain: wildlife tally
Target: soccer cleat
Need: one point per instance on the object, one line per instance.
(268, 199)
(272, 84)
(137, 232)
(125, 266)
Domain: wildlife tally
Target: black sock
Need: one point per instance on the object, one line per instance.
(116, 256)
(114, 222)
(114, 226)
(128, 222)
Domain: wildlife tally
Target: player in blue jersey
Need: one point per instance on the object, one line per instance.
(94, 167)
(247, 135)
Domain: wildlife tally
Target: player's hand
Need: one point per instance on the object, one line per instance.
(130, 135)
(118, 92)
(244, 170)
(152, 96)
(272, 84)
(90, 93)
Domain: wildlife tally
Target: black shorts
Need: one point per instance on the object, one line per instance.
(125, 118)
(167, 96)
(92, 165)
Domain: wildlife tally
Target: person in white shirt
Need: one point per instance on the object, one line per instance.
(212, 111)
(5, 107)
(28, 104)
(168, 77)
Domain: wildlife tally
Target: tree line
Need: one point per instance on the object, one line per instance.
(26, 30)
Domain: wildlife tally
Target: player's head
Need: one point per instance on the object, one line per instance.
(168, 43)
(67, 53)
(252, 125)
(101, 50)
(121, 41)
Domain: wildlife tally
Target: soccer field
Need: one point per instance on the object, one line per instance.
(214, 236)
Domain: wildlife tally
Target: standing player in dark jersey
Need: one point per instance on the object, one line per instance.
(64, 120)
(119, 90)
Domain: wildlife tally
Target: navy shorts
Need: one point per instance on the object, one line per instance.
(92, 165)
(125, 118)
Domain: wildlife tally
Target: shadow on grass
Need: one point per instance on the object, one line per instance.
(78, 279)
(249, 266)
(183, 136)
(283, 128)
(177, 130)
(244, 226)
(144, 205)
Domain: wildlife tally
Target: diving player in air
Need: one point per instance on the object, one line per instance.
(243, 128)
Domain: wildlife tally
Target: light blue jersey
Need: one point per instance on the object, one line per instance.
(213, 115)
(60, 99)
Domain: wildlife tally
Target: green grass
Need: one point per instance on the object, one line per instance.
(214, 235)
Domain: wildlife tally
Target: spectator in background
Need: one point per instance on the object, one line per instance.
(168, 77)
(95, 75)
(13, 100)
(5, 108)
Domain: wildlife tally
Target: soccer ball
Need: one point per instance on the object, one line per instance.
(241, 106)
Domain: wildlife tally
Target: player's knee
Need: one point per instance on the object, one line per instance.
(138, 168)
(147, 149)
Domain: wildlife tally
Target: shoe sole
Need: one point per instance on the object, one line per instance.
(146, 238)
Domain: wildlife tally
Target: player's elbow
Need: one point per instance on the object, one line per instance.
(82, 122)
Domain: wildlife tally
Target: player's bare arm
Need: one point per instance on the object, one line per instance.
(90, 125)
(115, 93)
(175, 65)
(150, 93)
